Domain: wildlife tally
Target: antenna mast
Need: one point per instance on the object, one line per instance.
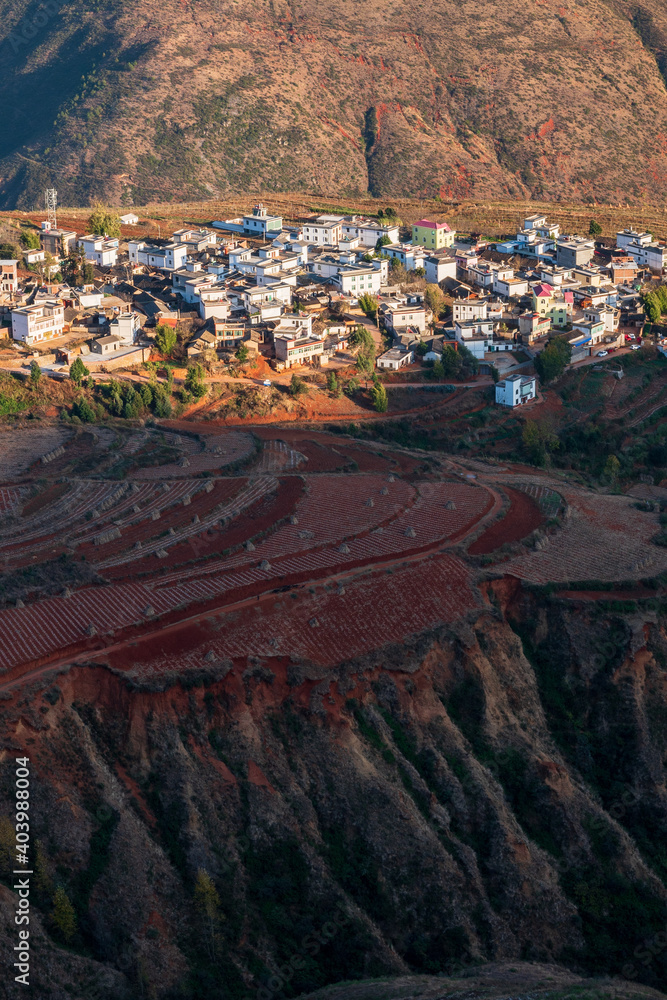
(50, 201)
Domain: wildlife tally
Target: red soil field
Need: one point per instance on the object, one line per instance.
(43, 499)
(522, 517)
(259, 517)
(378, 609)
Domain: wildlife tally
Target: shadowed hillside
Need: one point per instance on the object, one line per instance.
(192, 100)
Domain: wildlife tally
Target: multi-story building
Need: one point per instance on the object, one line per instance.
(325, 230)
(432, 235)
(292, 349)
(465, 309)
(439, 266)
(100, 250)
(367, 231)
(167, 257)
(9, 276)
(42, 321)
(574, 250)
(57, 242)
(260, 223)
(516, 390)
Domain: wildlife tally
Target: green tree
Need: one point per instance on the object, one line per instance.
(383, 241)
(104, 222)
(553, 360)
(595, 229)
(29, 239)
(207, 905)
(78, 371)
(434, 299)
(439, 369)
(242, 353)
(35, 372)
(451, 361)
(194, 381)
(333, 385)
(84, 411)
(379, 397)
(352, 386)
(9, 252)
(297, 386)
(165, 339)
(74, 267)
(495, 374)
(421, 349)
(539, 441)
(362, 338)
(368, 304)
(652, 307)
(612, 468)
(63, 916)
(469, 363)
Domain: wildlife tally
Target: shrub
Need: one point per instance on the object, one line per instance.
(297, 386)
(78, 371)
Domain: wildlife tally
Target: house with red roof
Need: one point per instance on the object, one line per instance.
(432, 235)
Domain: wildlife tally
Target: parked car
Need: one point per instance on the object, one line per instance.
(267, 381)
(635, 347)
(630, 336)
(602, 354)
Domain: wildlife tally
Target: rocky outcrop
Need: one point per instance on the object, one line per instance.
(496, 793)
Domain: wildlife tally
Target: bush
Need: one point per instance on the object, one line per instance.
(297, 386)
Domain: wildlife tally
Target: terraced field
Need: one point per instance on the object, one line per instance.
(365, 543)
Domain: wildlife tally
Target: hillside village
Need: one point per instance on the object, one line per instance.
(296, 294)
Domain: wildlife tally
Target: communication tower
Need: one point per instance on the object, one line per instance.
(50, 201)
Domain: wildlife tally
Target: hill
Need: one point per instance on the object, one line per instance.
(196, 100)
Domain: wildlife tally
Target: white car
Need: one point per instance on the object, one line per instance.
(635, 347)
(267, 381)
(602, 354)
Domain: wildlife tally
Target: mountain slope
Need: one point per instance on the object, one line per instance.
(195, 99)
(415, 811)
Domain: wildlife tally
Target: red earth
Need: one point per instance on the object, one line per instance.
(523, 516)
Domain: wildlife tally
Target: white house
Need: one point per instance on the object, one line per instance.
(260, 223)
(465, 309)
(438, 267)
(367, 231)
(42, 321)
(411, 257)
(297, 350)
(365, 280)
(100, 250)
(126, 327)
(399, 317)
(395, 358)
(170, 257)
(326, 229)
(213, 302)
(129, 219)
(516, 389)
(651, 255)
(509, 287)
(627, 236)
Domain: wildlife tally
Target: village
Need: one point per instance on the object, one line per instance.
(333, 293)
